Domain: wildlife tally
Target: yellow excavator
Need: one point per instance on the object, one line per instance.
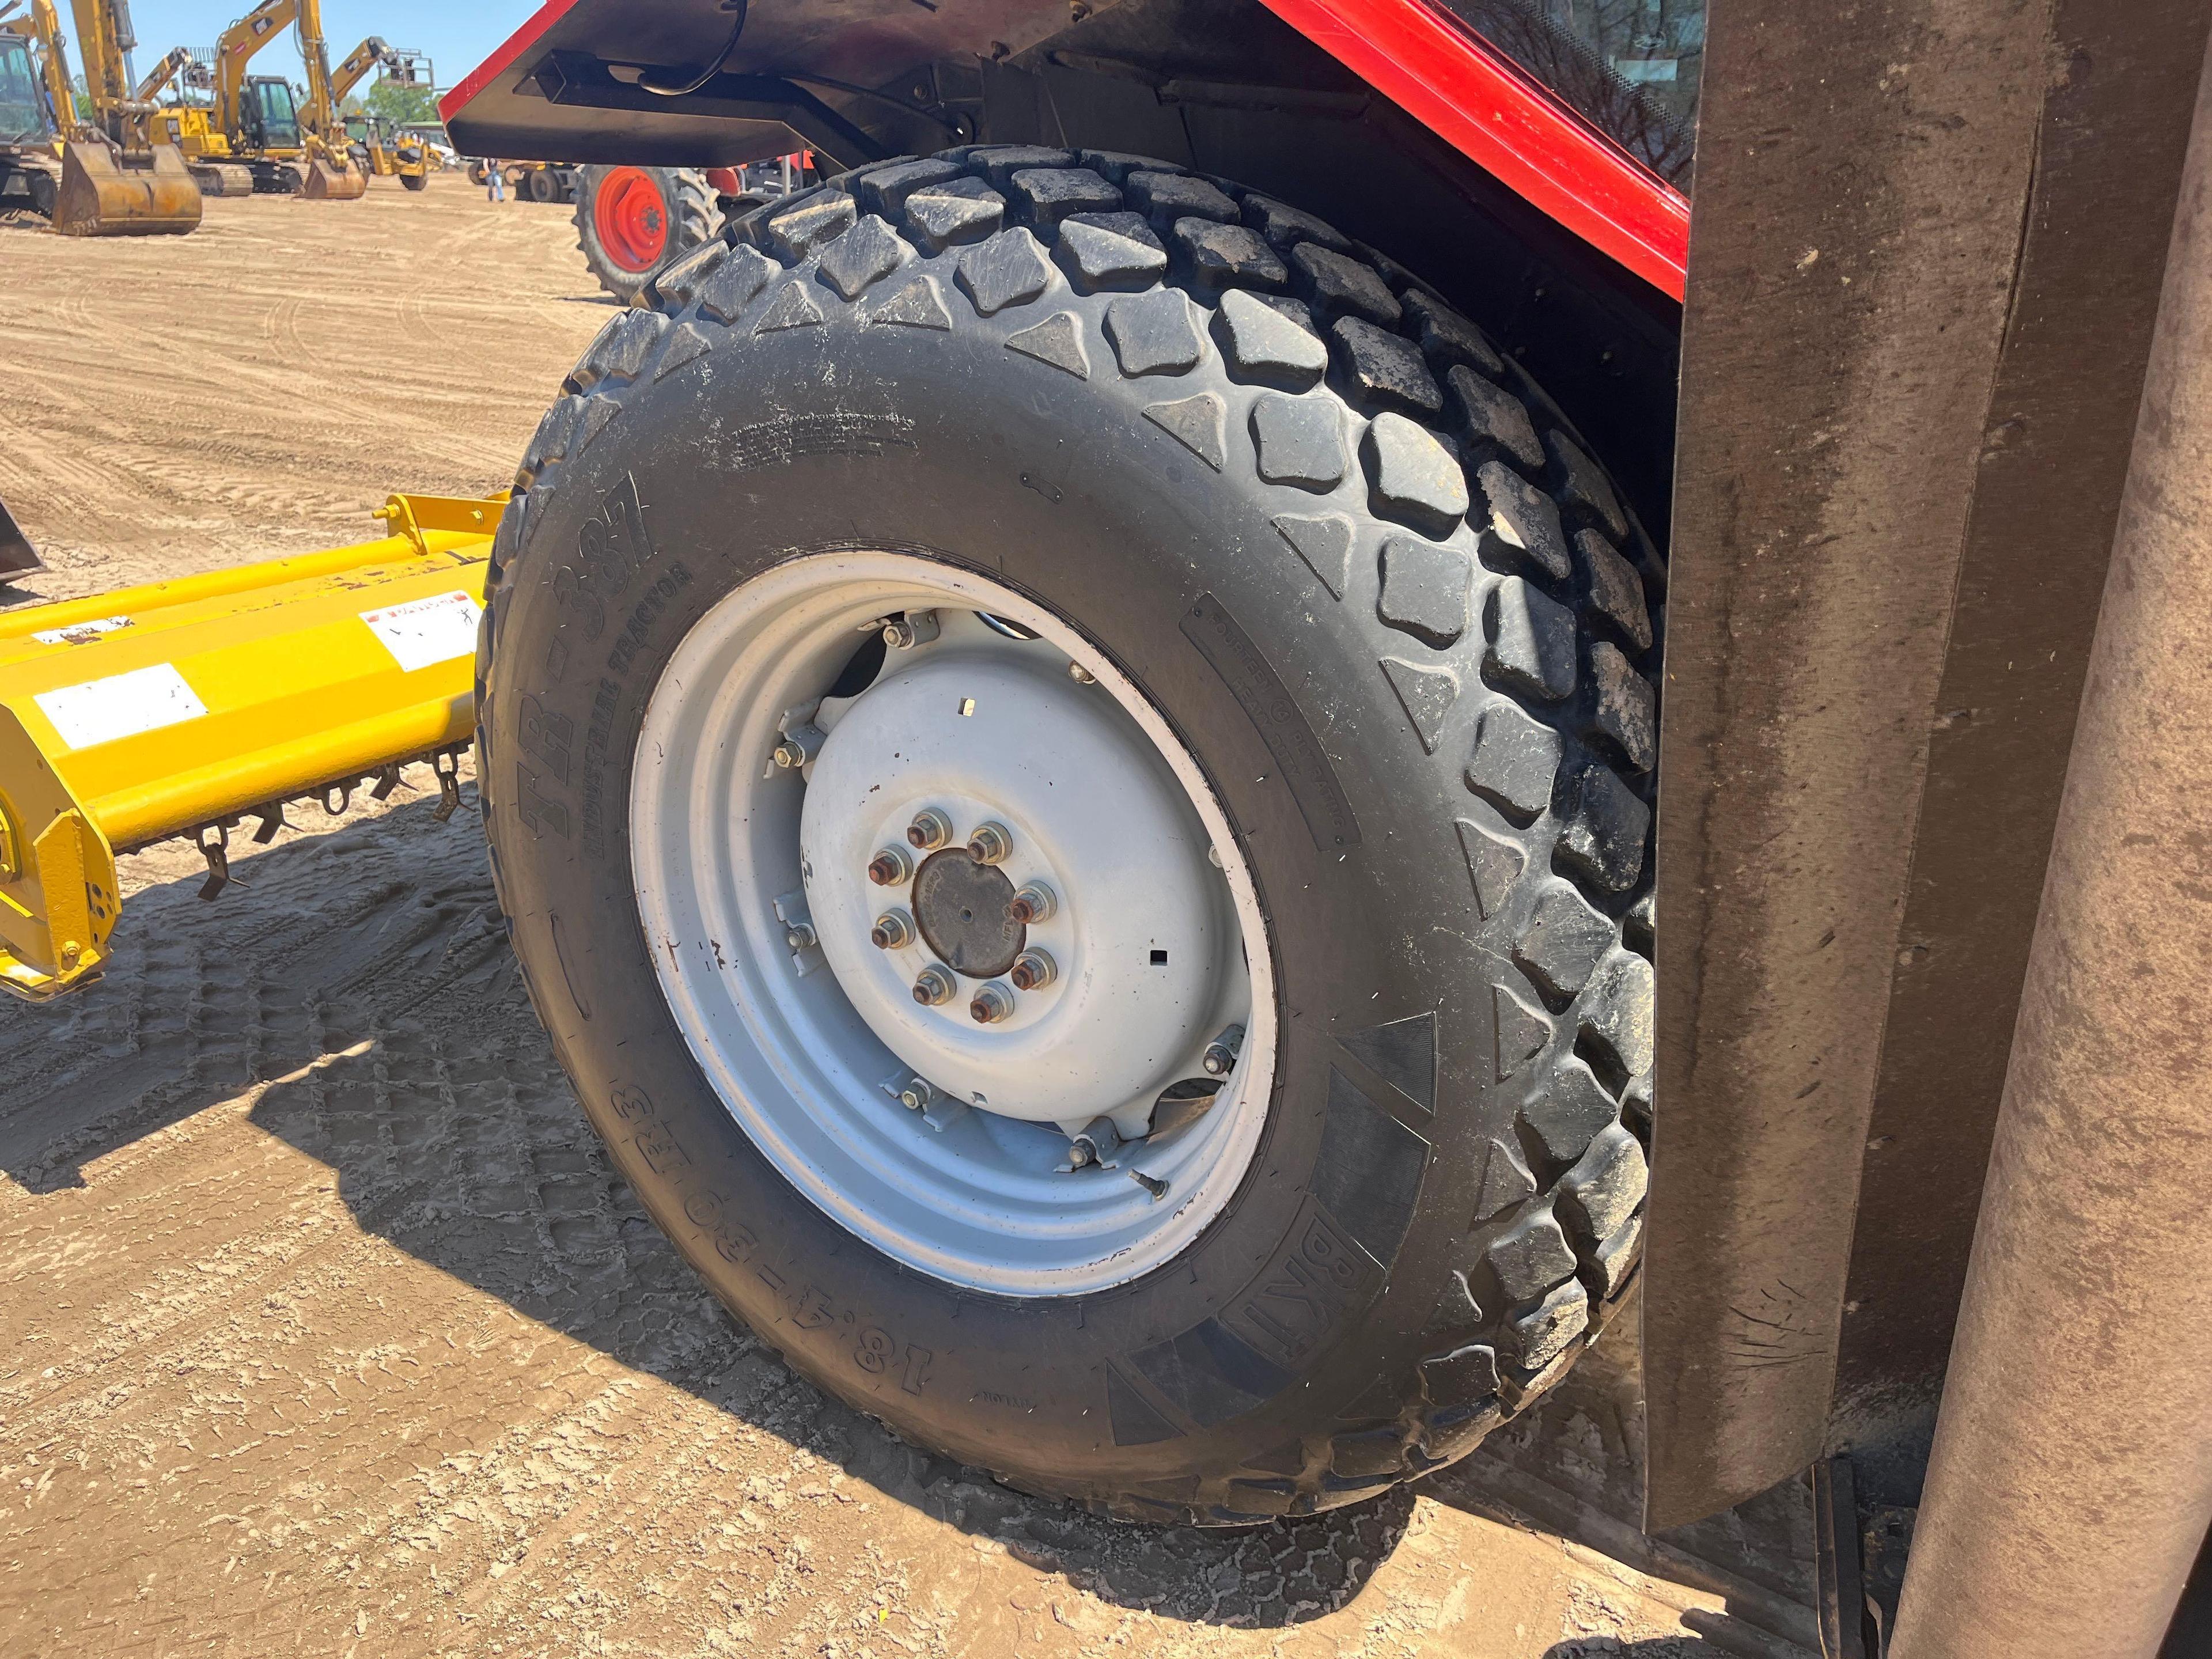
(33, 93)
(369, 136)
(109, 180)
(189, 123)
(255, 123)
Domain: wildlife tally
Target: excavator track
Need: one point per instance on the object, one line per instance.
(222, 177)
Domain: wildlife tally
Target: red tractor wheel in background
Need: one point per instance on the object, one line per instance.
(632, 220)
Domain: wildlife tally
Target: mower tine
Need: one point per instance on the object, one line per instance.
(449, 787)
(214, 845)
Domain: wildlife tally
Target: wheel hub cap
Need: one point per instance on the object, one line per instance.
(984, 731)
(961, 908)
(790, 925)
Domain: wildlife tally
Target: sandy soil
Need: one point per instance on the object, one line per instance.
(326, 1327)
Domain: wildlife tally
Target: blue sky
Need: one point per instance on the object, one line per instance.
(458, 34)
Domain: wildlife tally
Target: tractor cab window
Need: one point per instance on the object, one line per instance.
(272, 114)
(22, 101)
(1631, 68)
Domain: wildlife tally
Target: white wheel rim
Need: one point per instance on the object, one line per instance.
(1106, 808)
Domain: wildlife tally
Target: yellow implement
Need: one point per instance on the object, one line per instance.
(179, 707)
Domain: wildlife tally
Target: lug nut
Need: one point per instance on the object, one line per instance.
(930, 831)
(894, 931)
(801, 743)
(1033, 904)
(992, 1003)
(799, 935)
(915, 628)
(992, 843)
(934, 985)
(891, 867)
(1033, 970)
(1220, 1056)
(916, 1094)
(1081, 675)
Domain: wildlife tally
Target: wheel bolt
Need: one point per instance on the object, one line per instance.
(1032, 904)
(1220, 1056)
(789, 754)
(992, 1003)
(1033, 971)
(930, 831)
(934, 985)
(1081, 675)
(915, 1096)
(894, 930)
(992, 843)
(891, 867)
(799, 935)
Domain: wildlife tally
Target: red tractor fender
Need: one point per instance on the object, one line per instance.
(1413, 53)
(1478, 102)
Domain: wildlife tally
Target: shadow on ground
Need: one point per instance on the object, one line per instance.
(363, 986)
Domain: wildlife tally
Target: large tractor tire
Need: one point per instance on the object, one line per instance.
(634, 221)
(1235, 1099)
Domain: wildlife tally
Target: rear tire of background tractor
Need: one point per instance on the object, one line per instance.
(634, 221)
(1367, 575)
(544, 184)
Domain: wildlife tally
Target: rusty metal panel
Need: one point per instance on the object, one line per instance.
(1886, 490)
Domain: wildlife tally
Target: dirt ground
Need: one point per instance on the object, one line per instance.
(327, 1328)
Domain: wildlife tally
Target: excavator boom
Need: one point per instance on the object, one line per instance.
(235, 47)
(176, 64)
(355, 65)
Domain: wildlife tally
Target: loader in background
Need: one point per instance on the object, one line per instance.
(110, 181)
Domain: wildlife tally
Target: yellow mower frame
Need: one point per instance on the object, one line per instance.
(177, 707)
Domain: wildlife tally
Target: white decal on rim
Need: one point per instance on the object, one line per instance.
(425, 632)
(120, 706)
(81, 632)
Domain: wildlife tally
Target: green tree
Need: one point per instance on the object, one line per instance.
(398, 104)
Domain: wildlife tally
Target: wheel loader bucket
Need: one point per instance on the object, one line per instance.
(100, 198)
(327, 183)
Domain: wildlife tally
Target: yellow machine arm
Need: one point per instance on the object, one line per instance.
(357, 63)
(235, 49)
(53, 65)
(179, 60)
(320, 116)
(180, 707)
(99, 41)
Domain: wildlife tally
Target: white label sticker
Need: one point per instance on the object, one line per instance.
(120, 706)
(422, 632)
(81, 631)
